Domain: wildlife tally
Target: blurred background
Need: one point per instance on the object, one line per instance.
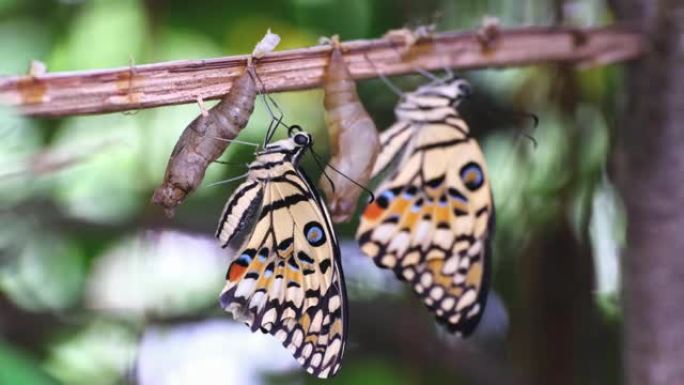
(98, 287)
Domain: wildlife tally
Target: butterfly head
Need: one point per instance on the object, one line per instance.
(293, 147)
(454, 89)
(433, 100)
(299, 137)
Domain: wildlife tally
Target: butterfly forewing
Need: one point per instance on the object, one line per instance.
(287, 279)
(392, 141)
(431, 220)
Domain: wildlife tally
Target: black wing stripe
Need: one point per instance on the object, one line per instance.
(400, 131)
(440, 145)
(288, 201)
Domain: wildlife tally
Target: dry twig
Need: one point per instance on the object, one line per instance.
(153, 85)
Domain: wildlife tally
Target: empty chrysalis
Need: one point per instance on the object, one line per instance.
(206, 138)
(354, 142)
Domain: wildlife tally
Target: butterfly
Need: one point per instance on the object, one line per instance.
(433, 217)
(286, 279)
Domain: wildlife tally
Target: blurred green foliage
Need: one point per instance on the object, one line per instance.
(83, 268)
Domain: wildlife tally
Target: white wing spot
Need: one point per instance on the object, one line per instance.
(426, 279)
(315, 325)
(332, 350)
(436, 293)
(474, 310)
(450, 266)
(316, 359)
(467, 299)
(245, 287)
(333, 303)
(448, 303)
(475, 249)
(297, 337)
(306, 351)
(388, 261)
(411, 258)
(455, 318)
(281, 335)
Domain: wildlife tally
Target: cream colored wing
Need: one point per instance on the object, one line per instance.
(287, 280)
(431, 223)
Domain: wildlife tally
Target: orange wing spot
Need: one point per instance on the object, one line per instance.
(459, 205)
(427, 209)
(410, 220)
(471, 176)
(400, 205)
(441, 214)
(474, 276)
(235, 272)
(373, 211)
(446, 281)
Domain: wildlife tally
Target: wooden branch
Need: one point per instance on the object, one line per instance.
(153, 85)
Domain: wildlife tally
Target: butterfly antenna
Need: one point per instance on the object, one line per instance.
(535, 118)
(384, 78)
(271, 105)
(535, 124)
(521, 130)
(320, 165)
(224, 162)
(228, 180)
(255, 145)
(272, 127)
(434, 79)
(529, 137)
(362, 187)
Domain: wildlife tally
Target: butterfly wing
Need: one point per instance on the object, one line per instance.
(431, 224)
(287, 279)
(237, 219)
(392, 141)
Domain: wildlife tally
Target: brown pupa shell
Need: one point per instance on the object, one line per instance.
(204, 140)
(354, 142)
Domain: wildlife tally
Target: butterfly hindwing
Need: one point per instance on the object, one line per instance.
(286, 280)
(431, 222)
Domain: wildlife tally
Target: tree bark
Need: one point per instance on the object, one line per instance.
(651, 178)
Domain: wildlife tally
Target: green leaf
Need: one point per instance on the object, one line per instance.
(16, 367)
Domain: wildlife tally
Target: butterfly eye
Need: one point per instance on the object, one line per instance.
(301, 139)
(465, 89)
(472, 177)
(314, 233)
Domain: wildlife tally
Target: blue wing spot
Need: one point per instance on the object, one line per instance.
(245, 258)
(313, 231)
(292, 264)
(472, 176)
(269, 270)
(417, 205)
(385, 199)
(263, 254)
